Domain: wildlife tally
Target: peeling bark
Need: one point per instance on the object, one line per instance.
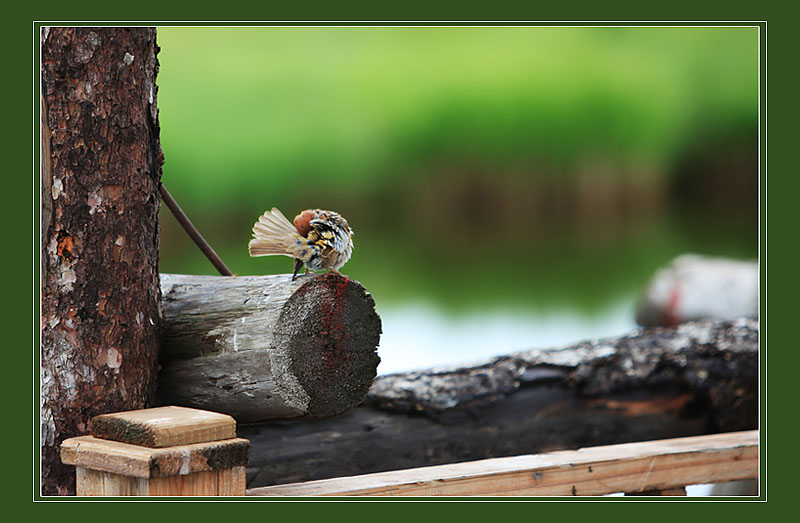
(101, 172)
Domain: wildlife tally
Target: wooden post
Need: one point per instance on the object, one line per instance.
(164, 451)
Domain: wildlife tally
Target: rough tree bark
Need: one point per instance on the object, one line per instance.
(100, 286)
(697, 378)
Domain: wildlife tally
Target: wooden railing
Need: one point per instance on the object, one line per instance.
(663, 467)
(175, 451)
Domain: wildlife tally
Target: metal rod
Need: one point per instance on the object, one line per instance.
(192, 231)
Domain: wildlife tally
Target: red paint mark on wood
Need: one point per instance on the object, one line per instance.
(671, 309)
(333, 333)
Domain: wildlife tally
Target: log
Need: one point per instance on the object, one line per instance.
(693, 287)
(694, 379)
(264, 347)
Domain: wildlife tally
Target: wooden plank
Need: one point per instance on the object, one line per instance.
(197, 484)
(109, 456)
(99, 483)
(164, 426)
(630, 467)
(226, 482)
(144, 462)
(679, 491)
(232, 481)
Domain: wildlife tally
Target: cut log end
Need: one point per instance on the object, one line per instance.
(266, 347)
(325, 342)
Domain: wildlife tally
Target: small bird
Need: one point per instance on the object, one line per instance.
(319, 239)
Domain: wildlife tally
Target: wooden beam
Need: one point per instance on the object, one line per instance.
(145, 462)
(631, 467)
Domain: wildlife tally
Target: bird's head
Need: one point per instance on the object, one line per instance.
(301, 222)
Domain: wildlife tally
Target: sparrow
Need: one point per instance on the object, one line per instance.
(319, 239)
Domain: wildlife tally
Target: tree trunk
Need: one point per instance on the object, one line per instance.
(100, 176)
(265, 347)
(697, 378)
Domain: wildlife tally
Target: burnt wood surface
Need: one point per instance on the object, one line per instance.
(265, 347)
(696, 378)
(101, 171)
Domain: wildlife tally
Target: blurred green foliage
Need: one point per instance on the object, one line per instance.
(248, 112)
(514, 166)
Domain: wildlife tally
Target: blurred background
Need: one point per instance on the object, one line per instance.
(510, 188)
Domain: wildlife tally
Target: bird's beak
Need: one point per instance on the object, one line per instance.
(297, 265)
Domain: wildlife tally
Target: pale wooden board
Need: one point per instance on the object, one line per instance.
(631, 467)
(98, 483)
(143, 462)
(164, 426)
(226, 482)
(680, 491)
(232, 481)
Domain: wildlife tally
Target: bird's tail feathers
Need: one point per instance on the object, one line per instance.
(272, 234)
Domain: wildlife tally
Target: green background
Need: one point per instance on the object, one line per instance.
(480, 167)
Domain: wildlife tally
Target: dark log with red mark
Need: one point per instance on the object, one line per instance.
(267, 347)
(697, 378)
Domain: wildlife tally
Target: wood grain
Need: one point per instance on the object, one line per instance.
(164, 426)
(631, 467)
(144, 462)
(226, 482)
(264, 347)
(678, 491)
